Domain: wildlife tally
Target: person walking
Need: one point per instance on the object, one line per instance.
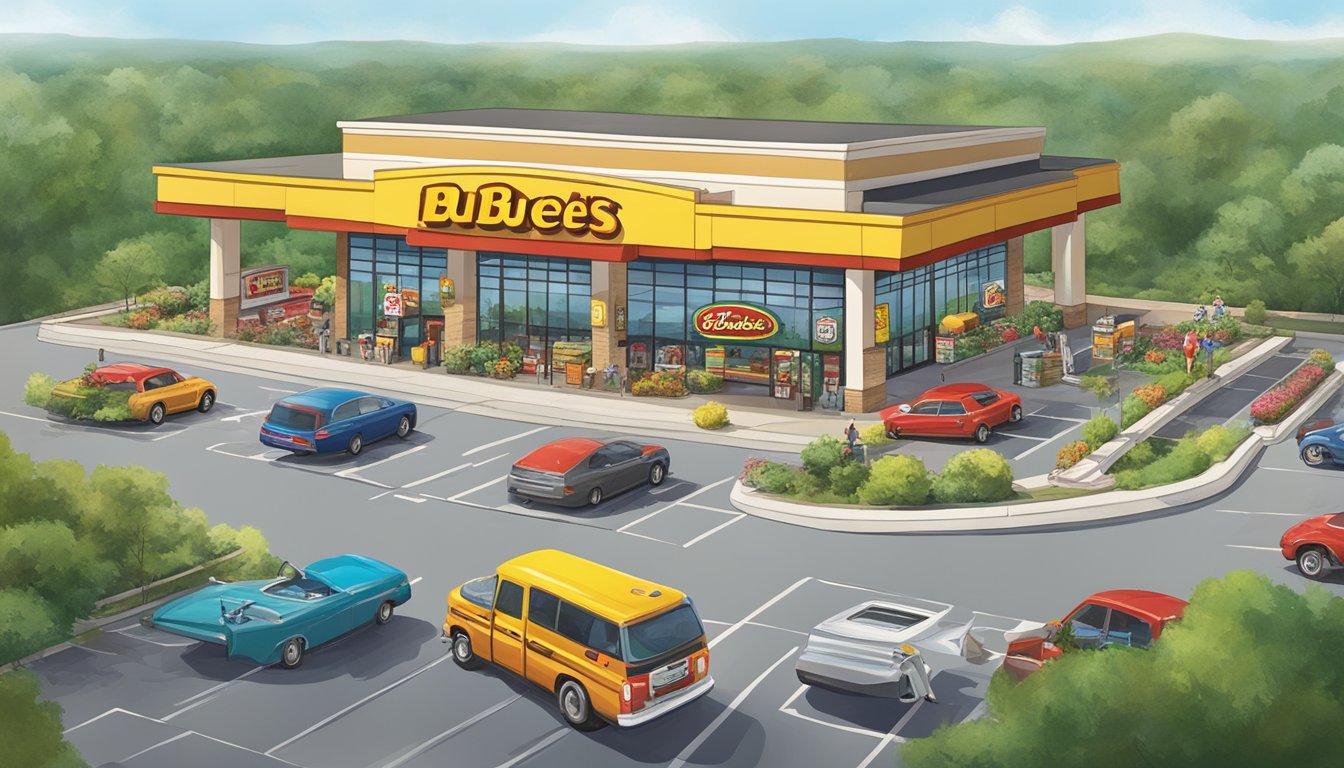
(1219, 309)
(1191, 347)
(851, 435)
(1207, 344)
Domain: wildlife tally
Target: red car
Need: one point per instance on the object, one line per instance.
(1130, 617)
(954, 410)
(1316, 544)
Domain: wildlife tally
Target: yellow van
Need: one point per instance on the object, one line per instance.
(611, 647)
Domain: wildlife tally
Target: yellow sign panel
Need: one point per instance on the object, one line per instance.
(599, 313)
(882, 323)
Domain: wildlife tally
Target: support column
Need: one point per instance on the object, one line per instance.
(1068, 260)
(609, 287)
(1014, 266)
(459, 312)
(865, 369)
(340, 325)
(225, 268)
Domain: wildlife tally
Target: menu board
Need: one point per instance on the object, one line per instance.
(945, 349)
(574, 373)
(715, 360)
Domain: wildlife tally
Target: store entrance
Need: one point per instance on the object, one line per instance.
(909, 351)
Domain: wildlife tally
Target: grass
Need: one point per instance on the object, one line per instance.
(1050, 493)
(1279, 322)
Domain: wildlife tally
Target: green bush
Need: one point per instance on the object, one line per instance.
(1099, 430)
(1134, 408)
(198, 296)
(978, 475)
(1323, 359)
(1185, 461)
(823, 454)
(845, 480)
(37, 390)
(1141, 455)
(1218, 442)
(1175, 382)
(779, 479)
(457, 358)
(27, 625)
(898, 480)
(306, 280)
(1101, 386)
(711, 415)
(1039, 313)
(703, 382)
(1255, 312)
(199, 326)
(483, 358)
(874, 434)
(514, 354)
(170, 301)
(30, 728)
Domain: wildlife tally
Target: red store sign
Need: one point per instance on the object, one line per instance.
(738, 322)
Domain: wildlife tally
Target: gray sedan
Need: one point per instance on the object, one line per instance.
(579, 470)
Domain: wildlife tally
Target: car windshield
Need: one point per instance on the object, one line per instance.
(300, 589)
(289, 417)
(660, 634)
(887, 618)
(1337, 521)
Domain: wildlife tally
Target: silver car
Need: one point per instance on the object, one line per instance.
(579, 470)
(879, 648)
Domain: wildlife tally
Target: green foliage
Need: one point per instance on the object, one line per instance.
(711, 415)
(845, 480)
(198, 296)
(1142, 455)
(898, 480)
(1101, 386)
(779, 479)
(1133, 408)
(457, 358)
(977, 475)
(1249, 676)
(1255, 312)
(483, 358)
(822, 454)
(874, 434)
(27, 625)
(1039, 313)
(47, 558)
(30, 728)
(1322, 358)
(1099, 430)
(78, 400)
(703, 382)
(1154, 462)
(326, 293)
(197, 325)
(169, 301)
(306, 280)
(1175, 382)
(1218, 442)
(37, 390)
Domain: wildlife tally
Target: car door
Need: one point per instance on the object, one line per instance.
(922, 418)
(600, 471)
(162, 389)
(953, 420)
(627, 463)
(544, 658)
(1088, 623)
(373, 415)
(344, 424)
(1128, 630)
(506, 632)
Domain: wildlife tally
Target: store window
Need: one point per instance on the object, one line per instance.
(378, 262)
(540, 303)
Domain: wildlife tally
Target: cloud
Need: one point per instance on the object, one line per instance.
(1020, 25)
(46, 18)
(637, 25)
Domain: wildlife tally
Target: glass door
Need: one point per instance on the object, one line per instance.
(784, 373)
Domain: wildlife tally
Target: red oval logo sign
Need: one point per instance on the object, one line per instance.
(741, 322)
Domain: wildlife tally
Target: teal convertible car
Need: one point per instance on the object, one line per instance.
(277, 620)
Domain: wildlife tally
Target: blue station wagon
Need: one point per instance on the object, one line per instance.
(331, 420)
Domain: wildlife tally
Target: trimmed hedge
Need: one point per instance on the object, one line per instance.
(898, 480)
(711, 415)
(1099, 430)
(979, 475)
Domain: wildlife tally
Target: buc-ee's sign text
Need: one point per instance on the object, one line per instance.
(501, 207)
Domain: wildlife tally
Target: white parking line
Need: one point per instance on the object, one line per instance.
(379, 496)
(712, 531)
(412, 499)
(168, 435)
(428, 744)
(551, 738)
(877, 750)
(187, 708)
(1297, 471)
(1039, 415)
(1041, 445)
(1275, 514)
(503, 440)
(416, 580)
(1261, 549)
(380, 462)
(332, 718)
(238, 417)
(125, 633)
(111, 711)
(786, 709)
(283, 391)
(482, 486)
(91, 650)
(224, 684)
(168, 740)
(487, 461)
(759, 611)
(650, 538)
(437, 475)
(1021, 437)
(711, 509)
(741, 697)
(682, 500)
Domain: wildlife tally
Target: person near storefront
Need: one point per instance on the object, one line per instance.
(1207, 344)
(1219, 309)
(851, 435)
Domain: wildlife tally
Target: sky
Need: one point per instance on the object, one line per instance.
(659, 22)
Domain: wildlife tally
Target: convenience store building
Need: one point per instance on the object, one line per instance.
(778, 254)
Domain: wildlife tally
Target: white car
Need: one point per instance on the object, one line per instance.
(878, 648)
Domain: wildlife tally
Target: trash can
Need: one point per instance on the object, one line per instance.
(418, 354)
(343, 347)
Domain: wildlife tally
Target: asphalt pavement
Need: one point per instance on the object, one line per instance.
(434, 506)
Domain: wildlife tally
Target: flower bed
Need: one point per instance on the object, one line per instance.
(1274, 405)
(1008, 329)
(657, 384)
(484, 359)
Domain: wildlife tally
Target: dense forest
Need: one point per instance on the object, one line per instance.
(1232, 151)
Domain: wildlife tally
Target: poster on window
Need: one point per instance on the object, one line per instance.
(882, 323)
(945, 349)
(993, 301)
(639, 355)
(828, 330)
(786, 374)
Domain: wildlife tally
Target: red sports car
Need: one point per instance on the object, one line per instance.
(954, 410)
(1129, 617)
(1316, 544)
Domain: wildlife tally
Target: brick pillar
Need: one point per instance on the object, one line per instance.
(865, 364)
(225, 236)
(459, 316)
(609, 287)
(1014, 267)
(340, 320)
(1068, 258)
(873, 395)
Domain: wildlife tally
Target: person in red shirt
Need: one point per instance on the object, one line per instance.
(1191, 347)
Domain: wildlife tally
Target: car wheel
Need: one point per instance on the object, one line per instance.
(595, 496)
(356, 445)
(1314, 455)
(1015, 415)
(576, 708)
(384, 614)
(207, 401)
(657, 474)
(156, 413)
(291, 655)
(463, 655)
(404, 427)
(1311, 562)
(982, 433)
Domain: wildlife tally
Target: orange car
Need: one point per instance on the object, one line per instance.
(157, 391)
(1129, 617)
(954, 410)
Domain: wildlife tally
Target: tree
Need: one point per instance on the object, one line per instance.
(45, 557)
(26, 626)
(128, 268)
(1321, 260)
(30, 729)
(1249, 676)
(134, 520)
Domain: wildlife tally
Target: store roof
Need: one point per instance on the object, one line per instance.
(329, 166)
(673, 126)
(903, 199)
